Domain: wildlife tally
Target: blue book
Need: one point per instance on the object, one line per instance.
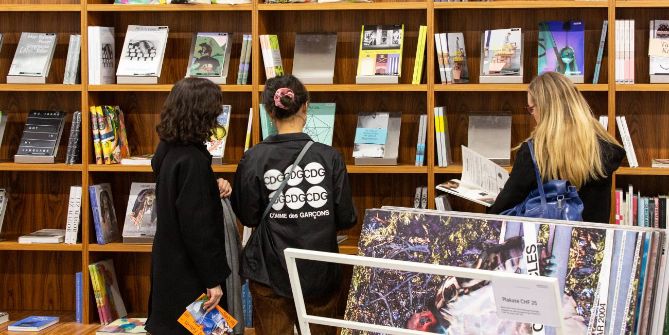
(79, 293)
(33, 323)
(642, 277)
(104, 215)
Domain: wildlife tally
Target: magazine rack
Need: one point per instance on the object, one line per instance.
(304, 319)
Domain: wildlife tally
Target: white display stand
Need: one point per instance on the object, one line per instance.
(547, 283)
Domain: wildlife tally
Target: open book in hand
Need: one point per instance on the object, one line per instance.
(481, 180)
(199, 322)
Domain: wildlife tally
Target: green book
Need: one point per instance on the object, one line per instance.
(320, 122)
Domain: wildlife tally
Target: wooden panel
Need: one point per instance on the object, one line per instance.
(646, 124)
(18, 104)
(142, 115)
(15, 23)
(649, 187)
(38, 281)
(521, 4)
(473, 22)
(376, 5)
(462, 104)
(347, 25)
(182, 27)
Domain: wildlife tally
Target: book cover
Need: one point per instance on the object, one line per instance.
(73, 215)
(143, 51)
(658, 54)
(71, 75)
(319, 125)
(4, 199)
(101, 55)
(124, 326)
(41, 137)
(562, 48)
(247, 60)
(104, 215)
(420, 56)
(33, 323)
(33, 55)
(370, 135)
(314, 57)
(110, 291)
(457, 58)
(502, 52)
(106, 133)
(216, 143)
(249, 127)
(141, 219)
(73, 155)
(242, 58)
(600, 51)
(200, 322)
(380, 52)
(79, 297)
(96, 285)
(118, 147)
(208, 55)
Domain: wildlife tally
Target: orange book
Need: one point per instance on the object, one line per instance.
(199, 322)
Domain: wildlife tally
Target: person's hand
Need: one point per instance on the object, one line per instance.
(215, 294)
(224, 188)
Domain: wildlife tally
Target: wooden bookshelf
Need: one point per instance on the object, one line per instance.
(39, 192)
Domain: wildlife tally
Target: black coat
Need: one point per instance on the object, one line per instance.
(595, 194)
(189, 247)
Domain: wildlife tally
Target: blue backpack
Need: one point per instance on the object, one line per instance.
(556, 199)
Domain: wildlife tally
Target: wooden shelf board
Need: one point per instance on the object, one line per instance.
(343, 6)
(642, 87)
(40, 8)
(521, 4)
(14, 245)
(120, 247)
(642, 3)
(167, 8)
(11, 166)
(371, 169)
(349, 246)
(457, 169)
(225, 168)
(507, 87)
(642, 171)
(159, 88)
(363, 88)
(39, 87)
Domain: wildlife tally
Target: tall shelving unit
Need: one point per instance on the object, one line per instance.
(39, 279)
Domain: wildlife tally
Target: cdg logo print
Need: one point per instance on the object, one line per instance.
(294, 197)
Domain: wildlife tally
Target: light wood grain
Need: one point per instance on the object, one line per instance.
(168, 8)
(521, 4)
(343, 6)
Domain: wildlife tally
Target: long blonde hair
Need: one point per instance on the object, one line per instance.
(566, 138)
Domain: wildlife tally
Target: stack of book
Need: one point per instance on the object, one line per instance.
(632, 209)
(107, 295)
(33, 324)
(43, 236)
(110, 141)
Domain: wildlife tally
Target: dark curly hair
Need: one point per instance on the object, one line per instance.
(190, 111)
(292, 105)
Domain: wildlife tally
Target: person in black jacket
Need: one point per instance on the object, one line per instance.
(569, 144)
(188, 257)
(315, 203)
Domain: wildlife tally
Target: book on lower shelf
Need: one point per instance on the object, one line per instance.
(33, 324)
(501, 56)
(43, 236)
(4, 317)
(124, 326)
(107, 294)
(41, 137)
(380, 54)
(377, 138)
(32, 59)
(137, 160)
(4, 199)
(142, 56)
(141, 219)
(660, 163)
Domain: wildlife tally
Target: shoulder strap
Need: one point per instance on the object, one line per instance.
(540, 183)
(285, 180)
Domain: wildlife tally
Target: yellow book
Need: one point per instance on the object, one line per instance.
(106, 134)
(275, 54)
(380, 57)
(420, 56)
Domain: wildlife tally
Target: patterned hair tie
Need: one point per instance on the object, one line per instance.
(280, 93)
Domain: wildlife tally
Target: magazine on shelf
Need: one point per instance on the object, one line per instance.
(380, 54)
(481, 179)
(142, 55)
(210, 57)
(314, 58)
(141, 218)
(562, 48)
(216, 143)
(501, 56)
(32, 59)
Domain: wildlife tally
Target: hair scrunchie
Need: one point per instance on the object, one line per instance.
(280, 93)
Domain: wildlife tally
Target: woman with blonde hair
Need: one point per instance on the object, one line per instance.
(569, 144)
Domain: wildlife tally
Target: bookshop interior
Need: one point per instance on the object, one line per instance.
(334, 167)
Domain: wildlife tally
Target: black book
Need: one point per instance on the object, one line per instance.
(41, 136)
(74, 143)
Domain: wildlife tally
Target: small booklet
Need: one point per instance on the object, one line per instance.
(199, 322)
(481, 180)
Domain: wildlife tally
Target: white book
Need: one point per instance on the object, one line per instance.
(662, 287)
(629, 138)
(142, 55)
(3, 125)
(73, 215)
(481, 180)
(416, 198)
(627, 142)
(632, 48)
(32, 59)
(604, 121)
(43, 236)
(423, 197)
(141, 219)
(619, 46)
(446, 141)
(440, 60)
(101, 55)
(419, 142)
(4, 198)
(437, 133)
(4, 316)
(72, 63)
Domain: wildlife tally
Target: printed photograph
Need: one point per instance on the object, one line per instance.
(382, 37)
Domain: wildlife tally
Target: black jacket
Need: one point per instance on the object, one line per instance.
(189, 247)
(316, 203)
(596, 194)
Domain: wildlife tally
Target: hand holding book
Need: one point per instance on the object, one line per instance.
(215, 294)
(202, 320)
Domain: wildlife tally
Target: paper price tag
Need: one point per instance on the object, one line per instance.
(527, 301)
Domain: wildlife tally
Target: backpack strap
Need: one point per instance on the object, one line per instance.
(285, 180)
(540, 184)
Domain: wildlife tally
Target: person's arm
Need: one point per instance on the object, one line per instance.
(344, 210)
(521, 182)
(246, 198)
(201, 222)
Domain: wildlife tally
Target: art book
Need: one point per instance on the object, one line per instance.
(457, 58)
(216, 143)
(562, 48)
(658, 52)
(370, 135)
(104, 215)
(142, 54)
(107, 294)
(124, 326)
(319, 125)
(33, 56)
(380, 58)
(141, 219)
(209, 54)
(200, 322)
(502, 53)
(481, 179)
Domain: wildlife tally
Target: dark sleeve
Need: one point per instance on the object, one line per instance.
(345, 214)
(522, 181)
(246, 195)
(200, 218)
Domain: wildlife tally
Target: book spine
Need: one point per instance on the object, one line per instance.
(423, 197)
(79, 294)
(448, 69)
(416, 198)
(418, 141)
(600, 52)
(68, 62)
(656, 213)
(423, 133)
(630, 302)
(247, 142)
(99, 234)
(618, 206)
(632, 48)
(629, 139)
(96, 135)
(420, 52)
(73, 141)
(96, 292)
(73, 215)
(440, 59)
(437, 135)
(265, 57)
(276, 55)
(247, 59)
(626, 144)
(242, 56)
(618, 46)
(446, 142)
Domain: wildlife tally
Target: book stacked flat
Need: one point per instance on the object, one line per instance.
(33, 324)
(110, 141)
(107, 295)
(624, 61)
(41, 137)
(43, 236)
(271, 55)
(123, 326)
(32, 59)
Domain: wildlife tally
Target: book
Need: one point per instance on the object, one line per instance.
(314, 57)
(271, 55)
(105, 281)
(200, 322)
(33, 324)
(73, 155)
(490, 136)
(139, 2)
(600, 51)
(246, 42)
(32, 59)
(420, 143)
(137, 160)
(41, 137)
(142, 55)
(249, 127)
(141, 218)
(43, 236)
(658, 67)
(627, 141)
(104, 215)
(216, 143)
(79, 297)
(106, 133)
(481, 179)
(319, 124)
(660, 163)
(73, 216)
(1, 40)
(420, 56)
(457, 58)
(3, 125)
(377, 138)
(416, 199)
(4, 317)
(101, 55)
(562, 48)
(72, 63)
(423, 197)
(4, 199)
(123, 326)
(380, 54)
(440, 58)
(118, 147)
(210, 57)
(501, 56)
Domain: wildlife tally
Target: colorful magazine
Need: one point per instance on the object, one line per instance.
(200, 322)
(219, 135)
(124, 326)
(208, 55)
(141, 218)
(562, 48)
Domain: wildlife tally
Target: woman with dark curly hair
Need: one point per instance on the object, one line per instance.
(188, 255)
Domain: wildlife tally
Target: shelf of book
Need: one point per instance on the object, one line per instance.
(642, 3)
(120, 247)
(642, 171)
(362, 169)
(40, 8)
(456, 169)
(16, 246)
(508, 87)
(159, 88)
(39, 88)
(363, 88)
(343, 6)
(521, 4)
(642, 87)
(168, 8)
(10, 166)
